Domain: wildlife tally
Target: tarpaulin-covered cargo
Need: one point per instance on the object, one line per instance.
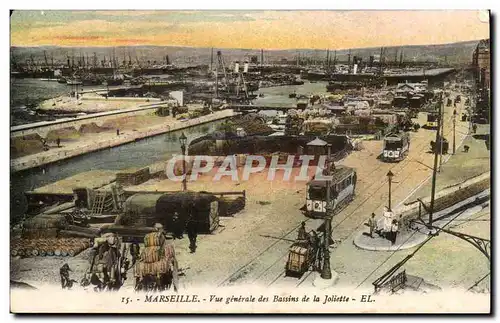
(261, 144)
(390, 119)
(144, 209)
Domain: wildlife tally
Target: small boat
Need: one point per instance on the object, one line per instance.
(74, 82)
(62, 80)
(261, 95)
(292, 95)
(113, 82)
(92, 81)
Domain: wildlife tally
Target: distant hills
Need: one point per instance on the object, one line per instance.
(454, 53)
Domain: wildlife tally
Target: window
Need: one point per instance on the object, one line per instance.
(317, 193)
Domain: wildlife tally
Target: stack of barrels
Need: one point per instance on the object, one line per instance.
(156, 257)
(43, 226)
(48, 247)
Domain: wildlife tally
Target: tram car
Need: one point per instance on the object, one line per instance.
(342, 188)
(396, 146)
(432, 120)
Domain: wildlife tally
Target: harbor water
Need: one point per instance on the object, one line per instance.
(27, 93)
(279, 95)
(136, 154)
(140, 153)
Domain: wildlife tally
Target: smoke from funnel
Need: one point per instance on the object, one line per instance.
(245, 68)
(237, 67)
(355, 69)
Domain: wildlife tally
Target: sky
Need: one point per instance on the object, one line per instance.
(247, 29)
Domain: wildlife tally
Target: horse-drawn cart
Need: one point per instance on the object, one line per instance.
(108, 267)
(302, 256)
(157, 267)
(444, 146)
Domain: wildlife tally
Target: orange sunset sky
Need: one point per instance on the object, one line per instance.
(247, 29)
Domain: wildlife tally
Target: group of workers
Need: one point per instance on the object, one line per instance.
(314, 240)
(105, 254)
(390, 227)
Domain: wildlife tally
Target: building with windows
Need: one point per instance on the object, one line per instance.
(481, 64)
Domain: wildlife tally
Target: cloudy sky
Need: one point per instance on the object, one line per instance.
(247, 29)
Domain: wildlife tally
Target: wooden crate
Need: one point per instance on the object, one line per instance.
(297, 258)
(133, 176)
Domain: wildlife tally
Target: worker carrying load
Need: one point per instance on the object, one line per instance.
(157, 268)
(107, 265)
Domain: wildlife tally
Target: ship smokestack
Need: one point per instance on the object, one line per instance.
(237, 67)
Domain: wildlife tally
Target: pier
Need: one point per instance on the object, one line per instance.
(434, 76)
(247, 108)
(107, 140)
(43, 127)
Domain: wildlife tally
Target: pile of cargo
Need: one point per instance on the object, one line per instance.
(43, 226)
(252, 123)
(48, 247)
(157, 256)
(230, 205)
(133, 176)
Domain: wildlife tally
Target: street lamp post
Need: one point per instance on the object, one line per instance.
(183, 140)
(389, 177)
(434, 169)
(441, 129)
(454, 124)
(326, 272)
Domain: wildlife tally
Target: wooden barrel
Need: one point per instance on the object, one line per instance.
(49, 252)
(162, 266)
(152, 254)
(14, 252)
(64, 252)
(34, 252)
(57, 252)
(154, 239)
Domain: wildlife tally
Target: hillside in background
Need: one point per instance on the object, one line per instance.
(455, 53)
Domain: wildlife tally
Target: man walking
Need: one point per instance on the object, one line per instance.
(66, 282)
(372, 224)
(394, 231)
(134, 252)
(316, 242)
(400, 223)
(192, 234)
(387, 222)
(176, 226)
(302, 234)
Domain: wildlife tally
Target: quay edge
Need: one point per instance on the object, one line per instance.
(33, 161)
